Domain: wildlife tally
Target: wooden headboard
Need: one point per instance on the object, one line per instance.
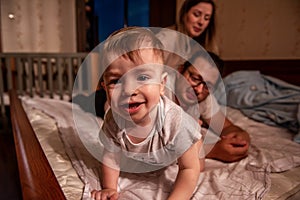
(286, 70)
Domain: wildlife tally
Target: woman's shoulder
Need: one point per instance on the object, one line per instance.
(172, 27)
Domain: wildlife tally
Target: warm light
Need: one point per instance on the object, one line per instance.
(11, 16)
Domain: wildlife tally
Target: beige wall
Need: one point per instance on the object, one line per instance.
(38, 26)
(258, 29)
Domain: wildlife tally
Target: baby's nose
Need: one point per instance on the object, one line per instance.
(129, 87)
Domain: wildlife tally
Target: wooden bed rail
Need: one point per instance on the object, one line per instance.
(38, 73)
(36, 176)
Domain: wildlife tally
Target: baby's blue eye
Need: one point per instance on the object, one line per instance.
(143, 77)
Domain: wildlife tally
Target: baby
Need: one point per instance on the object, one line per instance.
(143, 130)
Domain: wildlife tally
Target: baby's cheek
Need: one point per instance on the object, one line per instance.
(112, 99)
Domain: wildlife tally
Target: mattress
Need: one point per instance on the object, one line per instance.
(271, 171)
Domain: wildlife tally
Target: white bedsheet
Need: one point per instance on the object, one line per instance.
(271, 153)
(47, 133)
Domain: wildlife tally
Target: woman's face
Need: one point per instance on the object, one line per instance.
(197, 19)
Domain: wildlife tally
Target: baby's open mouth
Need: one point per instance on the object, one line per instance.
(131, 106)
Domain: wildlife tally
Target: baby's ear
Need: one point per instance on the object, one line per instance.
(163, 83)
(164, 78)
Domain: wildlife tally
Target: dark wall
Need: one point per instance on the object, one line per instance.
(162, 13)
(106, 16)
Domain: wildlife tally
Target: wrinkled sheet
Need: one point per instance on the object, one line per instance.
(48, 135)
(272, 152)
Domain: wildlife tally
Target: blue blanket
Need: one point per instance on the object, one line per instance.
(263, 98)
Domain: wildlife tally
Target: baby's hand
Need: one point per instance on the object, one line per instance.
(105, 194)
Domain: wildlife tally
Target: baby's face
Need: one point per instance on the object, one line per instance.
(134, 89)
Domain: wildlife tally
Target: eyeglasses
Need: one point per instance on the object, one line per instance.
(196, 80)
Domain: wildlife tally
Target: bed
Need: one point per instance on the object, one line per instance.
(61, 167)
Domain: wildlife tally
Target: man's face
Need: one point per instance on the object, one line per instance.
(199, 84)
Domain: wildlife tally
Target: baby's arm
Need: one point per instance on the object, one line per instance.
(188, 174)
(109, 183)
(109, 178)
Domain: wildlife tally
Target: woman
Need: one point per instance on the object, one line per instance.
(196, 20)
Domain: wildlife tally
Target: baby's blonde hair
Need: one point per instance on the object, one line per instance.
(128, 42)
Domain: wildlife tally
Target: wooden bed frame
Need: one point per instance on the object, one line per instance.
(56, 71)
(36, 176)
(286, 70)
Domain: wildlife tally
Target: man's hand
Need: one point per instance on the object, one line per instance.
(232, 147)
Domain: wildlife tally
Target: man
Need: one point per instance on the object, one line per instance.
(233, 142)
